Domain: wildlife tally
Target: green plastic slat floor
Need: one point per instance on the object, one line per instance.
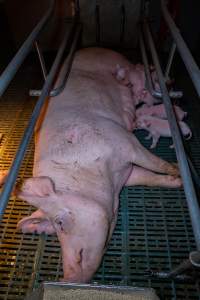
(153, 229)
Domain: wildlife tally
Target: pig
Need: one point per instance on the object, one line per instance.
(159, 111)
(84, 154)
(133, 76)
(159, 127)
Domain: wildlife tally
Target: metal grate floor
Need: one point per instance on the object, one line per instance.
(153, 229)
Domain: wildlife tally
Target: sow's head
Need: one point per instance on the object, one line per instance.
(81, 224)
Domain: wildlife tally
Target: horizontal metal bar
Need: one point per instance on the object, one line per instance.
(18, 59)
(192, 262)
(30, 128)
(172, 94)
(66, 70)
(165, 275)
(191, 197)
(185, 53)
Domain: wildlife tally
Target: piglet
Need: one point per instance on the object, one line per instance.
(159, 111)
(159, 127)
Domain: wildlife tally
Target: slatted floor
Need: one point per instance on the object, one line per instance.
(153, 229)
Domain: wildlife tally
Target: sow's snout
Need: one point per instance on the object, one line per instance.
(81, 224)
(81, 258)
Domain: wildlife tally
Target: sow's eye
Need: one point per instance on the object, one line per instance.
(64, 220)
(80, 256)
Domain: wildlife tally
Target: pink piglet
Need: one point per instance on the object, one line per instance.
(159, 111)
(159, 127)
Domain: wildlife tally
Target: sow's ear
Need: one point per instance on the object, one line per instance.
(40, 192)
(36, 187)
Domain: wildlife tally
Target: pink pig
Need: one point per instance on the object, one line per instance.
(85, 153)
(134, 77)
(159, 111)
(159, 127)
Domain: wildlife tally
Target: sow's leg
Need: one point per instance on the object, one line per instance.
(141, 176)
(144, 158)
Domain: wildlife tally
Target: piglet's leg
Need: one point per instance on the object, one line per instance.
(148, 136)
(141, 176)
(144, 158)
(155, 140)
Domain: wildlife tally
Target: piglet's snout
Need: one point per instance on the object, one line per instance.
(185, 130)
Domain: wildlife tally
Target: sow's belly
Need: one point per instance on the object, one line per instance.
(72, 141)
(78, 123)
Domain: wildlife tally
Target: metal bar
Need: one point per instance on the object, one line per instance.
(97, 16)
(193, 261)
(191, 197)
(18, 59)
(122, 23)
(149, 84)
(185, 53)
(30, 128)
(57, 90)
(41, 59)
(170, 60)
(37, 262)
(165, 275)
(77, 9)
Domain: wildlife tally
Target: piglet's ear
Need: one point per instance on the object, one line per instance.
(147, 123)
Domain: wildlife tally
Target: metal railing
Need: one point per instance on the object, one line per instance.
(61, 82)
(7, 77)
(193, 69)
(184, 163)
(18, 59)
(180, 152)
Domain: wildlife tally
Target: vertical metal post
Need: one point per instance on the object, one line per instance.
(185, 53)
(97, 16)
(65, 71)
(41, 59)
(170, 60)
(122, 23)
(149, 84)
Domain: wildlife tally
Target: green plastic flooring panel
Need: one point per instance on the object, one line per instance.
(153, 229)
